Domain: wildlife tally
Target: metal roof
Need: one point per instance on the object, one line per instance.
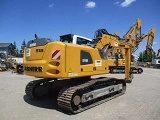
(5, 44)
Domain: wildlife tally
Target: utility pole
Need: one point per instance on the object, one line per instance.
(142, 57)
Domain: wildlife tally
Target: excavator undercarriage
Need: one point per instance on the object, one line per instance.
(94, 92)
(77, 95)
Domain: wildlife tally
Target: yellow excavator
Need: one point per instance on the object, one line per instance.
(68, 69)
(115, 55)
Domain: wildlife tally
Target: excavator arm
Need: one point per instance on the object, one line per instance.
(150, 37)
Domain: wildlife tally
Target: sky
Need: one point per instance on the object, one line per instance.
(21, 19)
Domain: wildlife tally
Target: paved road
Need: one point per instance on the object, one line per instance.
(140, 102)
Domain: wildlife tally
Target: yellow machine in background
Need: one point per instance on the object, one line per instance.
(68, 68)
(114, 54)
(13, 65)
(7, 63)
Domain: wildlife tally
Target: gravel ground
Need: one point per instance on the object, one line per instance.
(140, 102)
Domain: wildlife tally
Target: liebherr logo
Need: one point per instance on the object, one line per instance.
(111, 89)
(33, 69)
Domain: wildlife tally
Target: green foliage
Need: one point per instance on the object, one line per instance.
(14, 44)
(12, 50)
(22, 48)
(146, 57)
(23, 45)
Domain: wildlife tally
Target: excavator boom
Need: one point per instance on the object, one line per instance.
(135, 31)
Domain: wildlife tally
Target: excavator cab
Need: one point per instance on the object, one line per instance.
(100, 32)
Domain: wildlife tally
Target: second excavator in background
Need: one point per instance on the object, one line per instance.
(115, 55)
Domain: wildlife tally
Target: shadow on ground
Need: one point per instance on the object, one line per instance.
(48, 103)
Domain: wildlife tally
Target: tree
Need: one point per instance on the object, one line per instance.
(145, 57)
(15, 48)
(23, 46)
(12, 50)
(17, 53)
(14, 44)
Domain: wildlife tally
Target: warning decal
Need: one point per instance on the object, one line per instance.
(56, 54)
(28, 52)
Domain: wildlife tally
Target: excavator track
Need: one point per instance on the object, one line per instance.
(37, 89)
(78, 98)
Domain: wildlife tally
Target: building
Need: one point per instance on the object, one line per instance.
(6, 47)
(135, 57)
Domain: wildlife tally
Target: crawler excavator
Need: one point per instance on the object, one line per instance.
(67, 69)
(115, 55)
